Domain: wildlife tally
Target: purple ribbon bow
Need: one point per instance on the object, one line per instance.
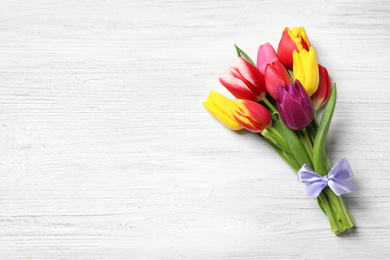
(335, 179)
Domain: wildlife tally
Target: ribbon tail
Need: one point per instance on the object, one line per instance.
(314, 189)
(341, 187)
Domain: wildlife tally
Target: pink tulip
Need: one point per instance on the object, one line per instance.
(265, 56)
(244, 81)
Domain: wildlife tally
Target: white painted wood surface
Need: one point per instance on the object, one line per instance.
(107, 153)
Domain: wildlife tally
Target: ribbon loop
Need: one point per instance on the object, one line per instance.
(335, 179)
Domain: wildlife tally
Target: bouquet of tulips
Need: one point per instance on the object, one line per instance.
(278, 100)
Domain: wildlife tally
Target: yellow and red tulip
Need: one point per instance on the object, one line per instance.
(244, 81)
(295, 39)
(251, 115)
(276, 76)
(221, 108)
(305, 69)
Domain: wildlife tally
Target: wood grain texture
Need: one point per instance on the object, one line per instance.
(107, 153)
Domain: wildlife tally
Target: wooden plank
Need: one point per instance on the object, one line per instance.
(107, 153)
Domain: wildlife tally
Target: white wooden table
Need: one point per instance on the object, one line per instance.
(106, 151)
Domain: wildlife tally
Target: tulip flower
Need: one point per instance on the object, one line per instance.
(276, 76)
(265, 55)
(294, 105)
(244, 81)
(296, 39)
(323, 91)
(221, 108)
(251, 115)
(306, 69)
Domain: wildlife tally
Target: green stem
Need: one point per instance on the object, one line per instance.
(305, 144)
(329, 213)
(308, 139)
(351, 223)
(314, 122)
(268, 103)
(336, 214)
(291, 73)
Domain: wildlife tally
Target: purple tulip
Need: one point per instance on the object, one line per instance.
(294, 105)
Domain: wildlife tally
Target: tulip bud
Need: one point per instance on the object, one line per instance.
(290, 41)
(294, 105)
(244, 81)
(265, 55)
(251, 115)
(221, 108)
(323, 91)
(276, 76)
(306, 69)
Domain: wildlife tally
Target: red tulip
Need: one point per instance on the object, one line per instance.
(276, 76)
(296, 39)
(251, 115)
(323, 91)
(265, 56)
(244, 81)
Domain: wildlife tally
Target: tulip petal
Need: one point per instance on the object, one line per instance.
(276, 76)
(312, 75)
(251, 115)
(237, 87)
(295, 39)
(298, 35)
(253, 75)
(306, 102)
(244, 81)
(295, 114)
(323, 91)
(306, 69)
(285, 48)
(265, 55)
(220, 107)
(304, 39)
(252, 88)
(280, 99)
(293, 90)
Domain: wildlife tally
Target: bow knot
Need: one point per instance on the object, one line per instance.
(335, 179)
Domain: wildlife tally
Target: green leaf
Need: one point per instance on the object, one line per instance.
(319, 155)
(241, 53)
(312, 132)
(291, 161)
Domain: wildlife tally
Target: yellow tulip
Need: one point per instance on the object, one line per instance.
(221, 108)
(305, 69)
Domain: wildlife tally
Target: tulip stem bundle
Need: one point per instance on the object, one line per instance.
(299, 86)
(296, 155)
